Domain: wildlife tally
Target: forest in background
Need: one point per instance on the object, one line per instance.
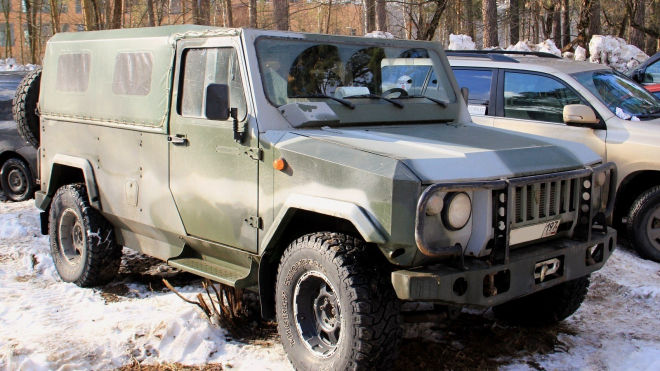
(29, 23)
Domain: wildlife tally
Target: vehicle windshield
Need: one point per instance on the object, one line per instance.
(618, 92)
(292, 70)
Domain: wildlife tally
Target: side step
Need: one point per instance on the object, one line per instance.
(234, 275)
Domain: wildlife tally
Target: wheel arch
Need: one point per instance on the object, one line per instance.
(302, 215)
(67, 170)
(631, 187)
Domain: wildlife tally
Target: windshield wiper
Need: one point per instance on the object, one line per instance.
(436, 101)
(319, 95)
(374, 96)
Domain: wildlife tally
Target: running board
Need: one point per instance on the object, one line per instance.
(234, 275)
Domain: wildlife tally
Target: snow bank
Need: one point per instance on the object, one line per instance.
(580, 54)
(10, 64)
(548, 46)
(379, 35)
(615, 52)
(461, 42)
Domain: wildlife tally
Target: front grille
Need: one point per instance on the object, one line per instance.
(544, 201)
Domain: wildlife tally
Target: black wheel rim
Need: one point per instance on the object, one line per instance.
(318, 314)
(17, 181)
(653, 228)
(71, 237)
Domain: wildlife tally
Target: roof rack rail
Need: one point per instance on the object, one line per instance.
(499, 53)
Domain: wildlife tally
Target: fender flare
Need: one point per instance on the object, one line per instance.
(79, 163)
(365, 225)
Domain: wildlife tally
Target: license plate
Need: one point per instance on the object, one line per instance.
(533, 232)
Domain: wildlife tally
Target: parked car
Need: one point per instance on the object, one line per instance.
(653, 88)
(648, 74)
(18, 159)
(276, 161)
(539, 93)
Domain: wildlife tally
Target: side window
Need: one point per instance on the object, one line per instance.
(534, 97)
(202, 67)
(652, 73)
(132, 75)
(73, 72)
(435, 90)
(479, 83)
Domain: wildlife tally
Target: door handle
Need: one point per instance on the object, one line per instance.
(178, 140)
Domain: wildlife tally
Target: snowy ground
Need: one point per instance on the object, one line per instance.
(46, 324)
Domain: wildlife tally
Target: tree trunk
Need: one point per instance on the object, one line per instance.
(549, 18)
(470, 18)
(6, 10)
(489, 12)
(514, 16)
(230, 13)
(369, 15)
(381, 15)
(30, 15)
(566, 22)
(636, 34)
(54, 15)
(594, 19)
(89, 15)
(205, 12)
(253, 13)
(117, 13)
(281, 14)
(151, 16)
(583, 24)
(556, 24)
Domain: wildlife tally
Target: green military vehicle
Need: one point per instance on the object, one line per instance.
(278, 162)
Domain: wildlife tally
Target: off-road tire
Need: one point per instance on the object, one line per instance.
(545, 307)
(640, 218)
(24, 107)
(99, 256)
(370, 320)
(16, 180)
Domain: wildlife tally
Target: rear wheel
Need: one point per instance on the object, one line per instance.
(16, 180)
(24, 107)
(545, 307)
(336, 308)
(644, 224)
(82, 241)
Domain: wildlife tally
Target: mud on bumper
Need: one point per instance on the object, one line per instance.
(482, 285)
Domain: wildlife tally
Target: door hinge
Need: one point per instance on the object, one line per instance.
(254, 153)
(254, 222)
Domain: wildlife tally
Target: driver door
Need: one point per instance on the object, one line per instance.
(534, 103)
(212, 179)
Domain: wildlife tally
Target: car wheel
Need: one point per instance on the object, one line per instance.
(82, 241)
(644, 224)
(336, 308)
(545, 307)
(16, 180)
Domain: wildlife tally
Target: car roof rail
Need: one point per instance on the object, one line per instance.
(498, 54)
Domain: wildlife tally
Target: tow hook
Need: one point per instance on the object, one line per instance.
(546, 268)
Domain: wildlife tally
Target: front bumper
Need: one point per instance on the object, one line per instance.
(473, 287)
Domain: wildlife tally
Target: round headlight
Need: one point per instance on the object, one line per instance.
(457, 211)
(434, 204)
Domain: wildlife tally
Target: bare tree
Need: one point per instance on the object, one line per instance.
(253, 14)
(369, 15)
(281, 14)
(514, 21)
(151, 16)
(228, 13)
(90, 15)
(489, 13)
(381, 15)
(594, 19)
(566, 22)
(9, 41)
(117, 13)
(637, 34)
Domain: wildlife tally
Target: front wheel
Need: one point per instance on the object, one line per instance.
(545, 307)
(82, 241)
(336, 308)
(644, 224)
(16, 180)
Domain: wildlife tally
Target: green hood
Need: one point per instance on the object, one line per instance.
(444, 153)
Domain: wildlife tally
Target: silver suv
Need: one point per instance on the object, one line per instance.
(542, 94)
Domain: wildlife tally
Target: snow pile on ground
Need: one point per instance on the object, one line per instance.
(615, 52)
(46, 324)
(380, 35)
(461, 42)
(547, 46)
(10, 64)
(580, 54)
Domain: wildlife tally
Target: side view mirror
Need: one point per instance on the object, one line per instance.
(580, 115)
(217, 102)
(465, 92)
(638, 76)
